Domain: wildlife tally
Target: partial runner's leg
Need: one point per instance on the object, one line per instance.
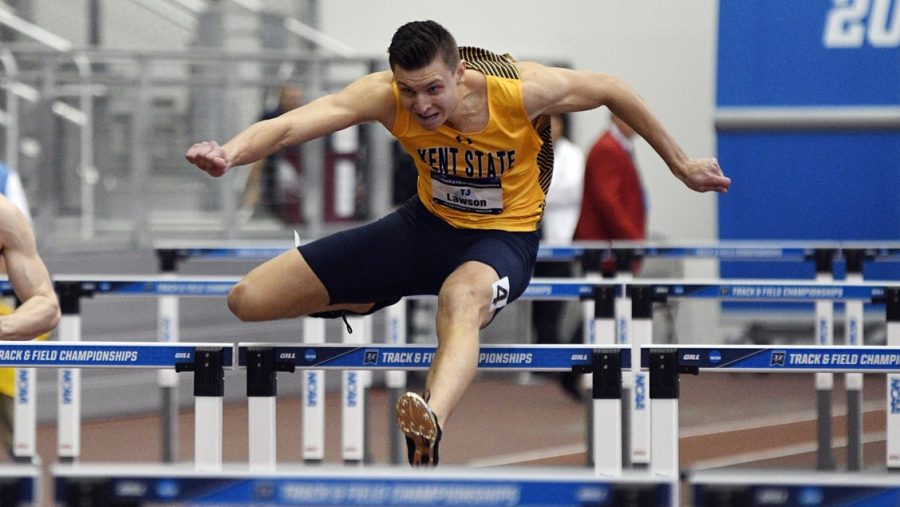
(282, 287)
(464, 307)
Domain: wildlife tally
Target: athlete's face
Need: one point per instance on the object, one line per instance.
(430, 93)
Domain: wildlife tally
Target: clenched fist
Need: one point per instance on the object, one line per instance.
(210, 157)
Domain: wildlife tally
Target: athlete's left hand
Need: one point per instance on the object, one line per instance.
(704, 175)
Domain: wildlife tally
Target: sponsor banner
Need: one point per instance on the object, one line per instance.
(771, 291)
(743, 253)
(789, 359)
(376, 491)
(556, 253)
(161, 287)
(558, 290)
(145, 287)
(233, 253)
(414, 357)
(796, 494)
(87, 355)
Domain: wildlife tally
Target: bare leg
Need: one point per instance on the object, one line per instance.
(463, 309)
(281, 288)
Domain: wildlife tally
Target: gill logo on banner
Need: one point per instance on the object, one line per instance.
(851, 23)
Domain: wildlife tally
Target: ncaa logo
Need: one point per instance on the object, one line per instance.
(309, 355)
(371, 357)
(777, 358)
(715, 356)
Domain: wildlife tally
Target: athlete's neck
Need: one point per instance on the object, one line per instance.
(472, 112)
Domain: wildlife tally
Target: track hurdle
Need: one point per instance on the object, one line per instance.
(18, 483)
(636, 328)
(71, 289)
(777, 291)
(342, 485)
(604, 363)
(207, 361)
(823, 255)
(753, 487)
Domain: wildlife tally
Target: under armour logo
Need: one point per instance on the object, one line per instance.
(500, 288)
(460, 139)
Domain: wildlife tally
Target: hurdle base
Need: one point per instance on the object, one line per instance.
(20, 484)
(340, 485)
(743, 487)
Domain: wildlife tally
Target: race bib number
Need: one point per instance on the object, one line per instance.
(473, 195)
(500, 291)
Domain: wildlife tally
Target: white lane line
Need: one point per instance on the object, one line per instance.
(778, 452)
(771, 420)
(696, 431)
(525, 456)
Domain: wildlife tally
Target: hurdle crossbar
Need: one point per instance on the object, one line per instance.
(30, 354)
(376, 356)
(782, 358)
(766, 290)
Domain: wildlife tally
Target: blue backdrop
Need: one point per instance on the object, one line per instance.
(816, 184)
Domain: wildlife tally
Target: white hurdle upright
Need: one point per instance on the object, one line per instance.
(395, 380)
(68, 445)
(313, 439)
(353, 396)
(892, 299)
(25, 416)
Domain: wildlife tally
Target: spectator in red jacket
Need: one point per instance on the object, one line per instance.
(614, 205)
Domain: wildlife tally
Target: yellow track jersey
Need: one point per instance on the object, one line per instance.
(496, 178)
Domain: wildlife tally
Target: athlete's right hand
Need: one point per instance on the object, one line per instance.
(210, 157)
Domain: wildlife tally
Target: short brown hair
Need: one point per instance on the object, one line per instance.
(417, 43)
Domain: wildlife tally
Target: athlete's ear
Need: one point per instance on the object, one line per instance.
(460, 71)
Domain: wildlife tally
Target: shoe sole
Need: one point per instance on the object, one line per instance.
(417, 422)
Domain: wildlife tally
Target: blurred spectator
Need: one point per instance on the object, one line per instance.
(613, 206)
(563, 204)
(274, 184)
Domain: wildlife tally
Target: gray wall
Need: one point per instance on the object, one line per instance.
(665, 50)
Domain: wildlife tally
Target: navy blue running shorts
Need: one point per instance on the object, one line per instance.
(411, 252)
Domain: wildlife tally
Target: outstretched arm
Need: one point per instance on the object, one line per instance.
(369, 98)
(556, 90)
(39, 311)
